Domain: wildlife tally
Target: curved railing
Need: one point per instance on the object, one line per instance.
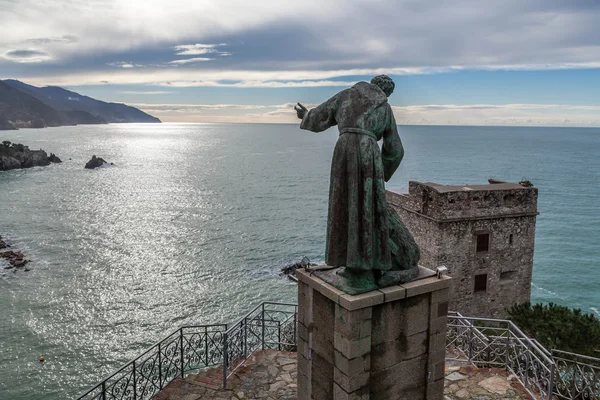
(501, 344)
(192, 348)
(188, 349)
(578, 376)
(268, 326)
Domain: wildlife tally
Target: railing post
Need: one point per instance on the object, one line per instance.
(181, 349)
(245, 337)
(551, 383)
(295, 324)
(225, 360)
(470, 344)
(263, 326)
(507, 347)
(206, 345)
(160, 381)
(279, 335)
(528, 354)
(103, 390)
(134, 383)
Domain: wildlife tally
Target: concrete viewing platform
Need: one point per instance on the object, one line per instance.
(272, 375)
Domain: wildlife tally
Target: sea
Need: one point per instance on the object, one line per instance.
(193, 222)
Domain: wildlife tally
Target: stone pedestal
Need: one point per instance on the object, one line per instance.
(381, 345)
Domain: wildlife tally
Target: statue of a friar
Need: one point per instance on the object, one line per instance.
(364, 234)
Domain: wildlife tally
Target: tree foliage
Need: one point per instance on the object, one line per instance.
(18, 147)
(559, 327)
(6, 143)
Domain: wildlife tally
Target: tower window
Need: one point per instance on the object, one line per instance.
(483, 242)
(508, 275)
(510, 239)
(480, 283)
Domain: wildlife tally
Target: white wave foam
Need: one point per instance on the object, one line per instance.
(594, 309)
(541, 289)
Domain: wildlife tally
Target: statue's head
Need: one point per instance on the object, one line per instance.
(384, 83)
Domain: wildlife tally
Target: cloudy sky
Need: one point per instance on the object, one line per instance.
(492, 62)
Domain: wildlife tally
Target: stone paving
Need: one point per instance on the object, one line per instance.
(271, 375)
(469, 382)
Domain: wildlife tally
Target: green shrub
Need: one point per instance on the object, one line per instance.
(6, 143)
(559, 327)
(18, 147)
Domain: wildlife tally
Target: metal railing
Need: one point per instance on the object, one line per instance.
(480, 341)
(268, 326)
(188, 349)
(577, 376)
(193, 348)
(500, 343)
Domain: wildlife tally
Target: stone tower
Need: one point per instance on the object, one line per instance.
(483, 234)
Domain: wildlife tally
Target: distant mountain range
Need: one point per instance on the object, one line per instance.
(26, 106)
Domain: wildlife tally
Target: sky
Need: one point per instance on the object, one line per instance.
(455, 62)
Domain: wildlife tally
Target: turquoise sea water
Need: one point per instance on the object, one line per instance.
(194, 221)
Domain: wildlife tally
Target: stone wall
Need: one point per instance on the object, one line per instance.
(446, 222)
(385, 344)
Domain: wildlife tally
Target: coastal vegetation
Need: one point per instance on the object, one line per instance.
(559, 327)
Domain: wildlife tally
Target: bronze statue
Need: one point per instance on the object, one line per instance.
(364, 235)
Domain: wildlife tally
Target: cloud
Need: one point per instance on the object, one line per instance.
(505, 34)
(27, 55)
(59, 39)
(431, 114)
(256, 84)
(124, 64)
(198, 107)
(499, 114)
(151, 92)
(189, 61)
(198, 49)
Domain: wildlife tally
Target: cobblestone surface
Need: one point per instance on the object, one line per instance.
(271, 375)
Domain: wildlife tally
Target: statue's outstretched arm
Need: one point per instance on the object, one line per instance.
(321, 117)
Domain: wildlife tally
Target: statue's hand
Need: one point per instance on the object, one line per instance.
(301, 111)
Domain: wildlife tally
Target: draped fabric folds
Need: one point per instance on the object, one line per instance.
(363, 233)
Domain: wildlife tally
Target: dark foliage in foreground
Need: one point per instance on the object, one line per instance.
(559, 327)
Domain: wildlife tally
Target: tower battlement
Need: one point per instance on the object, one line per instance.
(444, 203)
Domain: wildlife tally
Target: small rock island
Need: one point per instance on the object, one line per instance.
(96, 162)
(16, 155)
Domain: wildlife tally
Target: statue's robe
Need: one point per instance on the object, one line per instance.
(363, 233)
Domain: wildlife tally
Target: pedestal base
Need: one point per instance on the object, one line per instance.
(385, 344)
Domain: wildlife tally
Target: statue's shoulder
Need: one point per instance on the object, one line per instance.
(370, 91)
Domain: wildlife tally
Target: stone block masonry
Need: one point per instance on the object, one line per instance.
(484, 234)
(385, 344)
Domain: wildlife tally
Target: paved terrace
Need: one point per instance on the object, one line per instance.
(271, 375)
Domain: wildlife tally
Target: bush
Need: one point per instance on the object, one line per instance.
(559, 327)
(6, 143)
(18, 147)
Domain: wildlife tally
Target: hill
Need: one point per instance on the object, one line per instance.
(21, 110)
(78, 107)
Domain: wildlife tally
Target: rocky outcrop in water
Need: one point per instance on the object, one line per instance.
(96, 162)
(15, 259)
(15, 156)
(53, 158)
